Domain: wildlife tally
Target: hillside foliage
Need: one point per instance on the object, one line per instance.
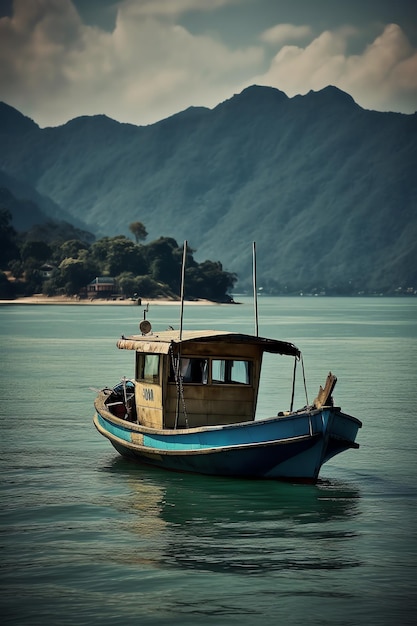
(58, 259)
(326, 189)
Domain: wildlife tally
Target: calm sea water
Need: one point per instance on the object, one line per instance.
(88, 538)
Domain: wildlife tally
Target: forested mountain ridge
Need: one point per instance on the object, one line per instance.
(326, 189)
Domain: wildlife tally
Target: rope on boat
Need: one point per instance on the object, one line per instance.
(180, 387)
(293, 384)
(304, 379)
(298, 358)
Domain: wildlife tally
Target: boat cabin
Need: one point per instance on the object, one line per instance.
(199, 379)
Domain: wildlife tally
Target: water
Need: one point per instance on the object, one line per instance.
(89, 538)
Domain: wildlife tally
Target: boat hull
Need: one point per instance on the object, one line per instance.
(291, 447)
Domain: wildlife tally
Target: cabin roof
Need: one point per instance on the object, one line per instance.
(159, 343)
(103, 280)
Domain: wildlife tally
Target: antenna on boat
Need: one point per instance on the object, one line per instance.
(255, 292)
(178, 364)
(145, 326)
(184, 257)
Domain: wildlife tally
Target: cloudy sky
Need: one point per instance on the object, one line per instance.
(140, 61)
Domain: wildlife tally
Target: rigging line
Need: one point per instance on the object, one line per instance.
(293, 384)
(304, 378)
(255, 295)
(184, 257)
(179, 386)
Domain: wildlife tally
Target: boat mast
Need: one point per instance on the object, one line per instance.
(184, 257)
(178, 365)
(255, 294)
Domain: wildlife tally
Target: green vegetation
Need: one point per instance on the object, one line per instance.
(327, 189)
(139, 231)
(66, 265)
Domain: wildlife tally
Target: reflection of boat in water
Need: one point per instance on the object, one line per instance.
(192, 407)
(239, 526)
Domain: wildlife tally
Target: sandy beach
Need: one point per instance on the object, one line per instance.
(41, 299)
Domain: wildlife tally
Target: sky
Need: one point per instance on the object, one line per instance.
(140, 61)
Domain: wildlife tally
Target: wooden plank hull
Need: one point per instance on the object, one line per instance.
(291, 447)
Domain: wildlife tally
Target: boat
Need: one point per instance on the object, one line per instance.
(191, 408)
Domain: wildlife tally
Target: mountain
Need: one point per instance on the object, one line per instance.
(28, 207)
(326, 189)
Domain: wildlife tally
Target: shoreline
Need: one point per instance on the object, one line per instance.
(62, 300)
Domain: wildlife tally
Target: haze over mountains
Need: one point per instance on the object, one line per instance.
(327, 189)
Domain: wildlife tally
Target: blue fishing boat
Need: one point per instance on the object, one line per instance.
(191, 407)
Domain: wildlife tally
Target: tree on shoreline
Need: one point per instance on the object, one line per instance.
(67, 267)
(139, 231)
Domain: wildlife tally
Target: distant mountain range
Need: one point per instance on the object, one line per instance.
(327, 189)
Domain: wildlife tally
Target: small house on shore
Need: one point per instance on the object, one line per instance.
(46, 270)
(102, 287)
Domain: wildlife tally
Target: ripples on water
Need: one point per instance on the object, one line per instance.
(89, 538)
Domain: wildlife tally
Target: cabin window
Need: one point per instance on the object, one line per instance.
(230, 371)
(148, 368)
(192, 370)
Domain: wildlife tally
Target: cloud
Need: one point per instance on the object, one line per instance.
(383, 77)
(54, 68)
(34, 47)
(167, 8)
(283, 33)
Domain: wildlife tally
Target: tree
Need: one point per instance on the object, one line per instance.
(74, 276)
(71, 249)
(119, 254)
(211, 281)
(138, 230)
(149, 288)
(7, 288)
(33, 282)
(125, 256)
(164, 258)
(127, 284)
(8, 249)
(39, 251)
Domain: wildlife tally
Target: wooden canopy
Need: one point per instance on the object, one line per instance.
(159, 343)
